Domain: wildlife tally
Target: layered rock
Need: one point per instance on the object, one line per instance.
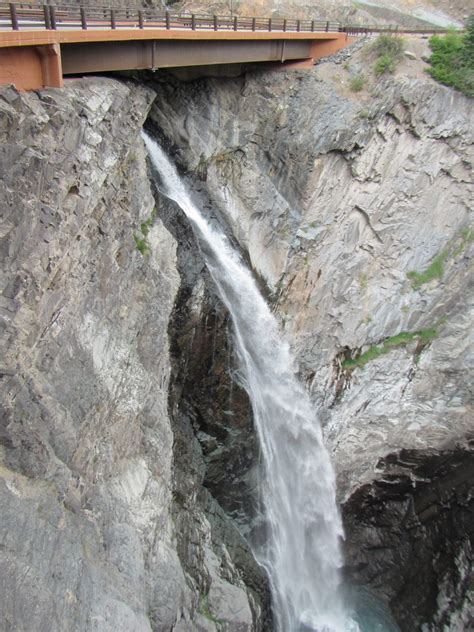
(94, 534)
(356, 212)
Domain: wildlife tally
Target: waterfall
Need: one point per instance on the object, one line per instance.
(302, 554)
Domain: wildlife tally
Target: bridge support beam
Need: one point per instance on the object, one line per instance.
(324, 48)
(31, 67)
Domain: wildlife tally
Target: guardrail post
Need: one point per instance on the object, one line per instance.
(327, 26)
(284, 24)
(140, 18)
(236, 23)
(47, 21)
(167, 19)
(298, 25)
(14, 17)
(253, 23)
(83, 19)
(52, 16)
(269, 24)
(215, 22)
(193, 22)
(112, 19)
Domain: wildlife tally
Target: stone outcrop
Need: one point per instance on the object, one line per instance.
(127, 453)
(356, 214)
(97, 531)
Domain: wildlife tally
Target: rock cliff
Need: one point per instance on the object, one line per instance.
(356, 212)
(98, 530)
(127, 454)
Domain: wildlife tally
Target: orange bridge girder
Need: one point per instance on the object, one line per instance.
(33, 59)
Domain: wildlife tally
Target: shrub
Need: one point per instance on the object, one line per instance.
(452, 61)
(389, 49)
(384, 64)
(357, 83)
(390, 45)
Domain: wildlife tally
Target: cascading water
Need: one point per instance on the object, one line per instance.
(302, 555)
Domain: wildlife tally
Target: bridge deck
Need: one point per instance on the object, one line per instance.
(40, 44)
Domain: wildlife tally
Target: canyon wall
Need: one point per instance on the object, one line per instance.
(356, 213)
(127, 453)
(100, 528)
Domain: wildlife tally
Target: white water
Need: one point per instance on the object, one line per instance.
(302, 555)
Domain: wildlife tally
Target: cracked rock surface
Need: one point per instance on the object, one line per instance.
(356, 212)
(92, 533)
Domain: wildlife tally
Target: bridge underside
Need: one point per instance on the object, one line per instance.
(33, 66)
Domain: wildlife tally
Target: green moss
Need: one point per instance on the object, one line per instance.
(467, 235)
(141, 241)
(363, 280)
(363, 114)
(204, 610)
(434, 271)
(145, 226)
(141, 244)
(424, 336)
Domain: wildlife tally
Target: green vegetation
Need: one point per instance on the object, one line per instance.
(389, 50)
(385, 64)
(357, 83)
(452, 61)
(141, 241)
(142, 245)
(363, 114)
(436, 269)
(363, 280)
(423, 337)
(204, 610)
(467, 235)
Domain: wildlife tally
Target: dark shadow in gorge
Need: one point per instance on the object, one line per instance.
(410, 536)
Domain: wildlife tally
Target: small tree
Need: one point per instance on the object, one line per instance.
(452, 61)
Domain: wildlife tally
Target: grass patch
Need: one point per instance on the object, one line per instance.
(357, 83)
(363, 281)
(452, 61)
(141, 241)
(142, 244)
(389, 51)
(467, 235)
(423, 337)
(434, 271)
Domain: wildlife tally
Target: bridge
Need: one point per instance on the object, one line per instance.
(40, 44)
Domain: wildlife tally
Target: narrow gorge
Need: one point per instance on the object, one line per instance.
(130, 490)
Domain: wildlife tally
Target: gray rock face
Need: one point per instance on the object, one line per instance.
(122, 437)
(88, 531)
(358, 217)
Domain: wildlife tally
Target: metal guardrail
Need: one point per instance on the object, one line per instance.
(49, 16)
(21, 15)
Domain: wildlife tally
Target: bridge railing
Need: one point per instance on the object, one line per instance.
(30, 16)
(21, 15)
